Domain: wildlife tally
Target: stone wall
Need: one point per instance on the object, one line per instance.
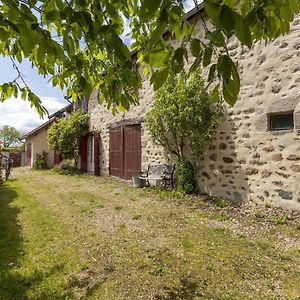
(245, 160)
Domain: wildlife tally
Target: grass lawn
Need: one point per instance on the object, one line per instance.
(82, 237)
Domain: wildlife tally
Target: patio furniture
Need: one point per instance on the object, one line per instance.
(163, 174)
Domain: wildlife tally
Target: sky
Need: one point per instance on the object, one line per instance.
(18, 113)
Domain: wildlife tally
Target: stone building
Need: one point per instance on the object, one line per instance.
(255, 153)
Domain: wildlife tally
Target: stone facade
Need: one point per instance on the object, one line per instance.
(245, 160)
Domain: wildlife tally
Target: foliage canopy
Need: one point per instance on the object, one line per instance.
(9, 135)
(63, 135)
(77, 43)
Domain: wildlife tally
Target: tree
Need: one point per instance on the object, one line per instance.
(9, 135)
(64, 134)
(77, 43)
(184, 117)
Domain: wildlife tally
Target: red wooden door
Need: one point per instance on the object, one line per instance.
(28, 152)
(83, 154)
(125, 151)
(116, 160)
(97, 153)
(57, 158)
(132, 150)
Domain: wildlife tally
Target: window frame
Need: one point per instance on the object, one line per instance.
(270, 121)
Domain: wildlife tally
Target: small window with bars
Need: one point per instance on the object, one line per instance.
(281, 121)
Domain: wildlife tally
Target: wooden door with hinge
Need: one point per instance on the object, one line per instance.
(116, 159)
(125, 150)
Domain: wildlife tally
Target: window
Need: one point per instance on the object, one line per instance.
(281, 121)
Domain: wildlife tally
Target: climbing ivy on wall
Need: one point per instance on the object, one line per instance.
(184, 119)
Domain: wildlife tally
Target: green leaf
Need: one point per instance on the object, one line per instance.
(207, 56)
(224, 67)
(195, 47)
(217, 38)
(212, 72)
(242, 31)
(213, 10)
(196, 63)
(177, 60)
(227, 19)
(158, 32)
(159, 78)
(231, 91)
(215, 94)
(157, 58)
(53, 15)
(149, 8)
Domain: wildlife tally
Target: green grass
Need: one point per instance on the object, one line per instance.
(65, 237)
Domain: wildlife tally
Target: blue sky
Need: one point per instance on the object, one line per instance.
(18, 113)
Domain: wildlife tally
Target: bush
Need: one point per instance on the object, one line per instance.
(66, 167)
(185, 176)
(40, 162)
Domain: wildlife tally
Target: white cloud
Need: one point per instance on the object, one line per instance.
(18, 113)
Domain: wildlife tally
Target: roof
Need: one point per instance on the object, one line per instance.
(57, 113)
(37, 129)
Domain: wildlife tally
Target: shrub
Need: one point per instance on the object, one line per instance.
(66, 167)
(63, 135)
(40, 162)
(183, 120)
(185, 176)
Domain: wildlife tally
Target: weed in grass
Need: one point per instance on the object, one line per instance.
(118, 207)
(203, 215)
(298, 227)
(165, 194)
(122, 226)
(141, 263)
(221, 217)
(282, 221)
(285, 257)
(159, 271)
(259, 215)
(136, 217)
(133, 199)
(268, 205)
(263, 244)
(222, 231)
(187, 243)
(222, 203)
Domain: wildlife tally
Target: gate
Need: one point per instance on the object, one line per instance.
(28, 152)
(125, 150)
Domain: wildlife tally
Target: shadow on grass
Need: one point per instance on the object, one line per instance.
(14, 285)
